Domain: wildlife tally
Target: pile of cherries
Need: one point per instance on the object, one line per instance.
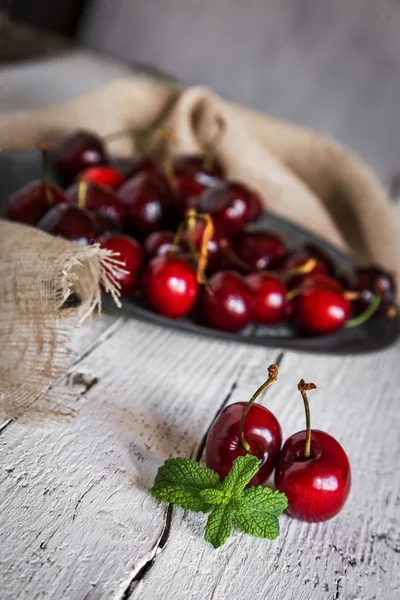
(311, 468)
(187, 239)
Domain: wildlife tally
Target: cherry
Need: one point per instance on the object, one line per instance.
(95, 197)
(170, 286)
(293, 264)
(106, 176)
(321, 281)
(216, 246)
(227, 304)
(268, 298)
(148, 204)
(245, 428)
(256, 206)
(78, 151)
(313, 471)
(312, 250)
(260, 249)
(30, 203)
(319, 311)
(198, 168)
(370, 281)
(104, 224)
(131, 254)
(70, 222)
(158, 243)
(229, 204)
(186, 190)
(145, 164)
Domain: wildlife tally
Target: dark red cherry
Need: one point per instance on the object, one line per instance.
(370, 281)
(312, 250)
(148, 204)
(260, 249)
(170, 286)
(158, 243)
(78, 151)
(216, 247)
(99, 199)
(243, 428)
(70, 222)
(294, 263)
(108, 177)
(229, 204)
(105, 225)
(257, 207)
(319, 311)
(186, 190)
(131, 254)
(268, 298)
(313, 471)
(227, 305)
(30, 203)
(196, 167)
(145, 164)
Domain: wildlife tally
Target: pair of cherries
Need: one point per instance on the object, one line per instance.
(311, 468)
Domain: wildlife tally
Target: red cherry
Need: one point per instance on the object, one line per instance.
(131, 254)
(170, 286)
(106, 176)
(158, 243)
(312, 250)
(257, 207)
(314, 472)
(293, 263)
(268, 298)
(196, 167)
(216, 247)
(229, 204)
(370, 281)
(104, 224)
(70, 222)
(186, 190)
(100, 199)
(244, 428)
(319, 311)
(321, 281)
(30, 203)
(78, 151)
(148, 204)
(260, 249)
(227, 306)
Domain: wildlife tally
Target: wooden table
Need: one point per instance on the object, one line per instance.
(77, 521)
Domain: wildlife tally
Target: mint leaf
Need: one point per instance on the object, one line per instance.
(257, 511)
(180, 481)
(219, 525)
(214, 496)
(260, 525)
(243, 469)
(263, 499)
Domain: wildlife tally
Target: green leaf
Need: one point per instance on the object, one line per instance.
(243, 469)
(214, 496)
(257, 510)
(263, 499)
(180, 481)
(219, 525)
(260, 525)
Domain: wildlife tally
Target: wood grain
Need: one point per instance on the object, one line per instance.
(74, 500)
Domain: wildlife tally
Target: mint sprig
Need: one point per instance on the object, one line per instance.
(255, 510)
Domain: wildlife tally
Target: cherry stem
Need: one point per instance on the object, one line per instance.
(142, 136)
(303, 388)
(303, 269)
(272, 377)
(170, 173)
(203, 254)
(212, 146)
(82, 191)
(236, 260)
(46, 172)
(367, 314)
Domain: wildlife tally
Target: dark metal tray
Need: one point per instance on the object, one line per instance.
(19, 167)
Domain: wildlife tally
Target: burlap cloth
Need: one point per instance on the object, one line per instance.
(301, 176)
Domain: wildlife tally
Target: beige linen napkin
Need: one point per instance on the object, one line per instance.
(301, 175)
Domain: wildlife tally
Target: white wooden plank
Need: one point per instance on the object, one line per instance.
(76, 520)
(355, 555)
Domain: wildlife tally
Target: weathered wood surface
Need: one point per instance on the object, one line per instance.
(77, 523)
